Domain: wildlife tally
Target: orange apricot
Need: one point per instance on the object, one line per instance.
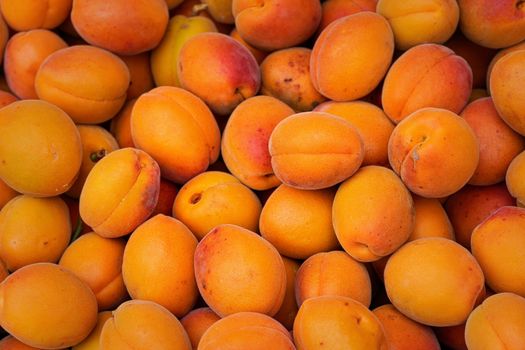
(258, 54)
(120, 126)
(24, 15)
(167, 193)
(6, 193)
(501, 53)
(197, 322)
(431, 219)
(11, 343)
(220, 10)
(92, 340)
(335, 9)
(514, 177)
(288, 311)
(140, 76)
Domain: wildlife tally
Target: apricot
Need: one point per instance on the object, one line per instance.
(403, 333)
(173, 3)
(288, 311)
(244, 143)
(434, 281)
(285, 74)
(220, 10)
(105, 80)
(46, 306)
(120, 126)
(351, 56)
(24, 15)
(92, 341)
(166, 111)
(140, 76)
(158, 264)
(124, 27)
(6, 193)
(167, 193)
(276, 24)
(434, 151)
(335, 9)
(514, 177)
(315, 150)
(237, 270)
(219, 70)
(258, 54)
(372, 214)
(143, 324)
(6, 98)
(298, 223)
(33, 230)
(371, 122)
(498, 323)
(213, 198)
(24, 53)
(337, 323)
(498, 143)
(40, 148)
(246, 330)
(499, 54)
(431, 219)
(11, 343)
(197, 322)
(128, 180)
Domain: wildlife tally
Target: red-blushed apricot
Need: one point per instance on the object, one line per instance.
(97, 261)
(431, 219)
(506, 75)
(196, 322)
(498, 143)
(336, 322)
(213, 198)
(24, 15)
(298, 223)
(219, 70)
(315, 150)
(492, 24)
(120, 126)
(6, 193)
(46, 306)
(40, 148)
(246, 330)
(167, 193)
(237, 270)
(33, 230)
(514, 177)
(288, 311)
(258, 54)
(498, 323)
(125, 27)
(128, 179)
(178, 130)
(372, 213)
(434, 151)
(97, 142)
(11, 343)
(143, 324)
(434, 281)
(158, 264)
(335, 9)
(24, 53)
(371, 122)
(497, 243)
(92, 340)
(351, 56)
(276, 24)
(140, 76)
(285, 74)
(244, 143)
(333, 273)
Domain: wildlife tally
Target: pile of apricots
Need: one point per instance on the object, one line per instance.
(262, 174)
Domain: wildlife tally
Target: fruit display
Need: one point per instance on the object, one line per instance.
(262, 174)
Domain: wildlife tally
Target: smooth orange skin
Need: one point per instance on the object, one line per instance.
(97, 261)
(373, 213)
(288, 311)
(197, 322)
(237, 270)
(434, 151)
(11, 343)
(143, 324)
(276, 24)
(285, 74)
(120, 126)
(431, 220)
(258, 54)
(6, 98)
(403, 333)
(500, 54)
(6, 193)
(333, 273)
(298, 223)
(514, 177)
(335, 9)
(371, 122)
(141, 78)
(498, 323)
(105, 80)
(128, 179)
(351, 56)
(471, 205)
(246, 330)
(167, 193)
(498, 143)
(506, 75)
(434, 281)
(24, 53)
(92, 341)
(125, 27)
(158, 264)
(337, 323)
(47, 162)
(33, 230)
(220, 10)
(303, 161)
(498, 243)
(244, 143)
(219, 70)
(492, 24)
(166, 111)
(46, 306)
(30, 14)
(97, 142)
